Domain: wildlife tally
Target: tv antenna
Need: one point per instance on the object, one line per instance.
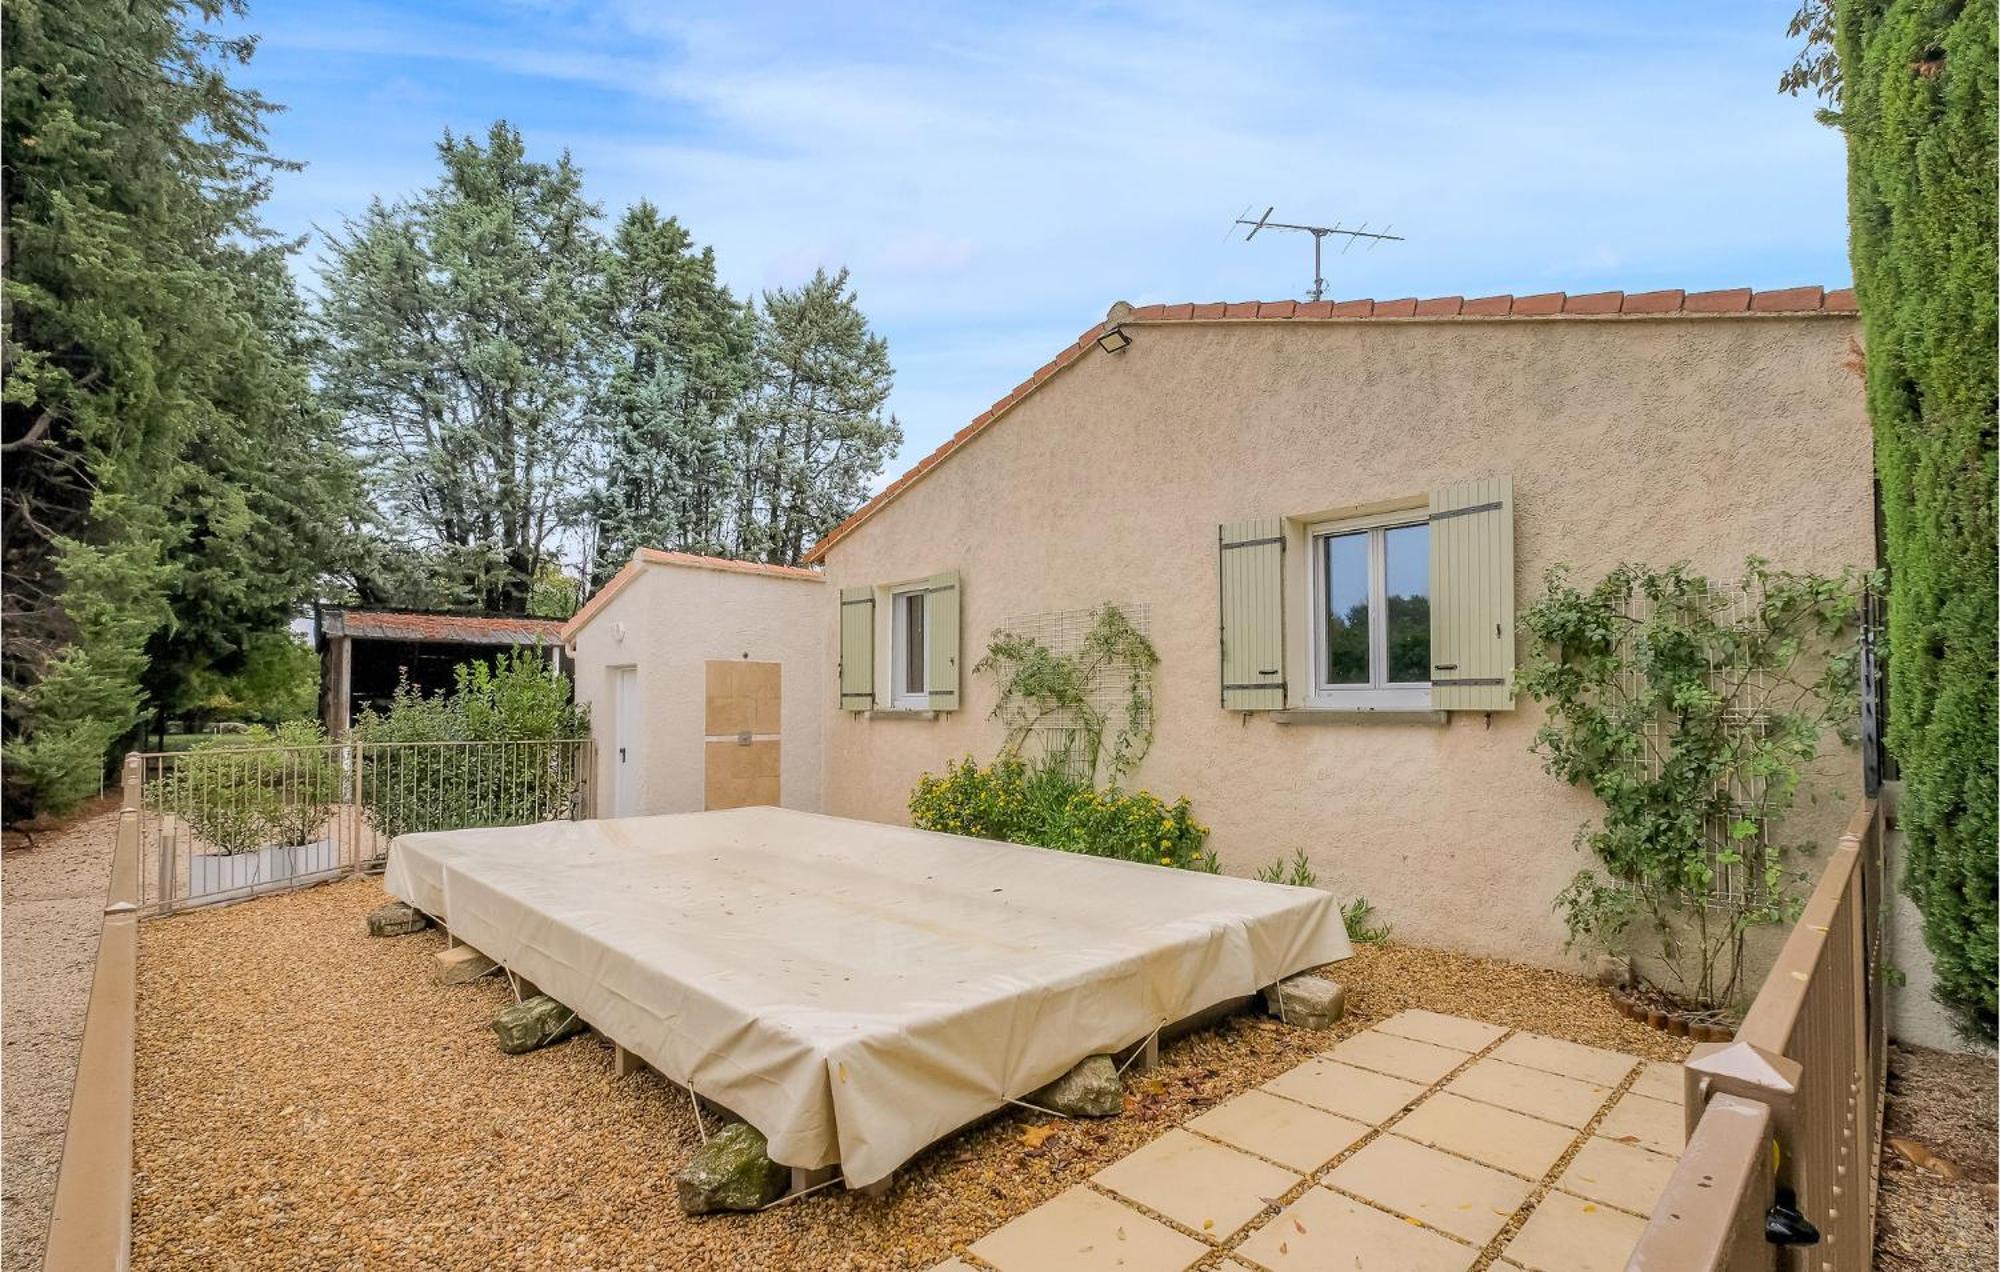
(1319, 233)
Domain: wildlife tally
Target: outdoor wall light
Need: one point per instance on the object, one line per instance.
(1114, 340)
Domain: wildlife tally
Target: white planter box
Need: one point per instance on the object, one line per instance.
(318, 857)
(212, 872)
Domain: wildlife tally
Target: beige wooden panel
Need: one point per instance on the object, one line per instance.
(1472, 596)
(742, 697)
(941, 604)
(738, 775)
(1252, 566)
(857, 648)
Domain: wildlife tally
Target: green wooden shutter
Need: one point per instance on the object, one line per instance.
(941, 617)
(857, 648)
(1472, 596)
(1252, 565)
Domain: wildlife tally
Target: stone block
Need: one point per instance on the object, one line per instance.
(1091, 1089)
(733, 1171)
(396, 919)
(462, 963)
(1306, 1000)
(535, 1022)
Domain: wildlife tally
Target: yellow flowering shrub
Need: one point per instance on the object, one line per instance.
(1046, 807)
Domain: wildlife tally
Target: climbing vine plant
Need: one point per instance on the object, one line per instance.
(1093, 706)
(1691, 709)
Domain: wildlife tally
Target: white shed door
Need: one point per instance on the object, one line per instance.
(624, 741)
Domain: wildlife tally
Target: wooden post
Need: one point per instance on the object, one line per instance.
(624, 1064)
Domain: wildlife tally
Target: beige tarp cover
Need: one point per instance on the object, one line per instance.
(855, 991)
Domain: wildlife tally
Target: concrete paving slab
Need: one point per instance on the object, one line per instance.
(1405, 1058)
(1570, 1059)
(1289, 1133)
(1463, 1198)
(1442, 1030)
(1085, 1231)
(1649, 1123)
(1571, 1234)
(1325, 1232)
(1550, 1096)
(1622, 1175)
(1340, 1088)
(1200, 1185)
(1488, 1134)
(1661, 1081)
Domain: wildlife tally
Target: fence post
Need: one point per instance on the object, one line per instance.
(132, 803)
(354, 799)
(1752, 1073)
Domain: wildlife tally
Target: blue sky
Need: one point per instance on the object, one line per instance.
(996, 175)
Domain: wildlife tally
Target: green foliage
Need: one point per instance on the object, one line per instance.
(278, 681)
(1686, 709)
(677, 362)
(458, 329)
(1045, 806)
(1039, 688)
(812, 432)
(1918, 103)
(555, 594)
(417, 775)
(1298, 872)
(1358, 916)
(239, 793)
(159, 431)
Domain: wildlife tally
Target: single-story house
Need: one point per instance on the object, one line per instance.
(1239, 475)
(364, 652)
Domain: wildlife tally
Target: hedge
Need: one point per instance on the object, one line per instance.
(1917, 104)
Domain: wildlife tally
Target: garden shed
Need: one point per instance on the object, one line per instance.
(365, 652)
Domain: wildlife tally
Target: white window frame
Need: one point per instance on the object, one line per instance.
(903, 697)
(1377, 694)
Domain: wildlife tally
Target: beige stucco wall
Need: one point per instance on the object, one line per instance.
(1655, 440)
(668, 622)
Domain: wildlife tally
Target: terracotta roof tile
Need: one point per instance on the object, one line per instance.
(1654, 302)
(420, 626)
(1735, 300)
(1559, 305)
(1787, 301)
(1594, 303)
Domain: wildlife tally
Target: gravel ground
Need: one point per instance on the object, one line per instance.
(53, 898)
(1937, 1200)
(308, 1096)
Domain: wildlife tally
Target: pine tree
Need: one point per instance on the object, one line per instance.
(458, 329)
(676, 360)
(813, 433)
(150, 378)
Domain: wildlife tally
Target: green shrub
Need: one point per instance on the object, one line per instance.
(1046, 807)
(418, 775)
(256, 789)
(1690, 710)
(1917, 86)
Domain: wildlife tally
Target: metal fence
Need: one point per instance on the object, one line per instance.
(1785, 1123)
(224, 823)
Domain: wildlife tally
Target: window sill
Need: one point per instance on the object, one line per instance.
(1362, 715)
(902, 713)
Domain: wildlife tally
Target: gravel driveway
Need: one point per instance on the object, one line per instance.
(54, 906)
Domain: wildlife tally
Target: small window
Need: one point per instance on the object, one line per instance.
(909, 646)
(1371, 615)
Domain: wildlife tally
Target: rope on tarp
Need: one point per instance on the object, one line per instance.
(694, 1102)
(1037, 1108)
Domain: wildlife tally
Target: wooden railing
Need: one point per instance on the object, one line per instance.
(1785, 1122)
